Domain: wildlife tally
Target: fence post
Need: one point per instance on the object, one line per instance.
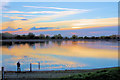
(2, 73)
(30, 67)
(38, 65)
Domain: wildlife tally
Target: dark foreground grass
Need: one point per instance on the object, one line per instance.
(95, 74)
(104, 74)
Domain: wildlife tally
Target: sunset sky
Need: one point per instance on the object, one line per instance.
(66, 18)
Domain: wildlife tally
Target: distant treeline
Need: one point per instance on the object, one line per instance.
(59, 36)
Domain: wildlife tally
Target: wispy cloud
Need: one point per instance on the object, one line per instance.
(14, 17)
(26, 15)
(60, 14)
(26, 23)
(43, 28)
(11, 29)
(35, 12)
(52, 8)
(56, 14)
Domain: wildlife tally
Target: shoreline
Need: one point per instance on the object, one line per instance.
(49, 74)
(64, 70)
(38, 40)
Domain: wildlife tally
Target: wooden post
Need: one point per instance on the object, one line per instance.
(39, 65)
(2, 73)
(30, 67)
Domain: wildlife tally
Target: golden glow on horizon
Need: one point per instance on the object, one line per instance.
(69, 25)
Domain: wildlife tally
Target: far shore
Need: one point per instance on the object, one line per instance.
(39, 40)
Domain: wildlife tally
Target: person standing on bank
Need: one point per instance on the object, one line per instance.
(18, 67)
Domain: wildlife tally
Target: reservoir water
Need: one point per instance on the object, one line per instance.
(60, 55)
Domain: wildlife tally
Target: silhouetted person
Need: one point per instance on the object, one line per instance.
(18, 67)
(39, 65)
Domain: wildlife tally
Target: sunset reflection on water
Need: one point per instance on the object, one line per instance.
(60, 55)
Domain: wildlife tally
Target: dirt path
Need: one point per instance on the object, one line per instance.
(44, 74)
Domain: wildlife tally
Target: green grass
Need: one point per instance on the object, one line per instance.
(104, 74)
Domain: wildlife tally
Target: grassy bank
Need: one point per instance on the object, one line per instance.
(92, 74)
(104, 74)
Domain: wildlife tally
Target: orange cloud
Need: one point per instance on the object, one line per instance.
(69, 25)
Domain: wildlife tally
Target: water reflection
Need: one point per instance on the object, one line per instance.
(60, 55)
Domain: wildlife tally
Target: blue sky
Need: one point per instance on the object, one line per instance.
(59, 17)
(98, 9)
